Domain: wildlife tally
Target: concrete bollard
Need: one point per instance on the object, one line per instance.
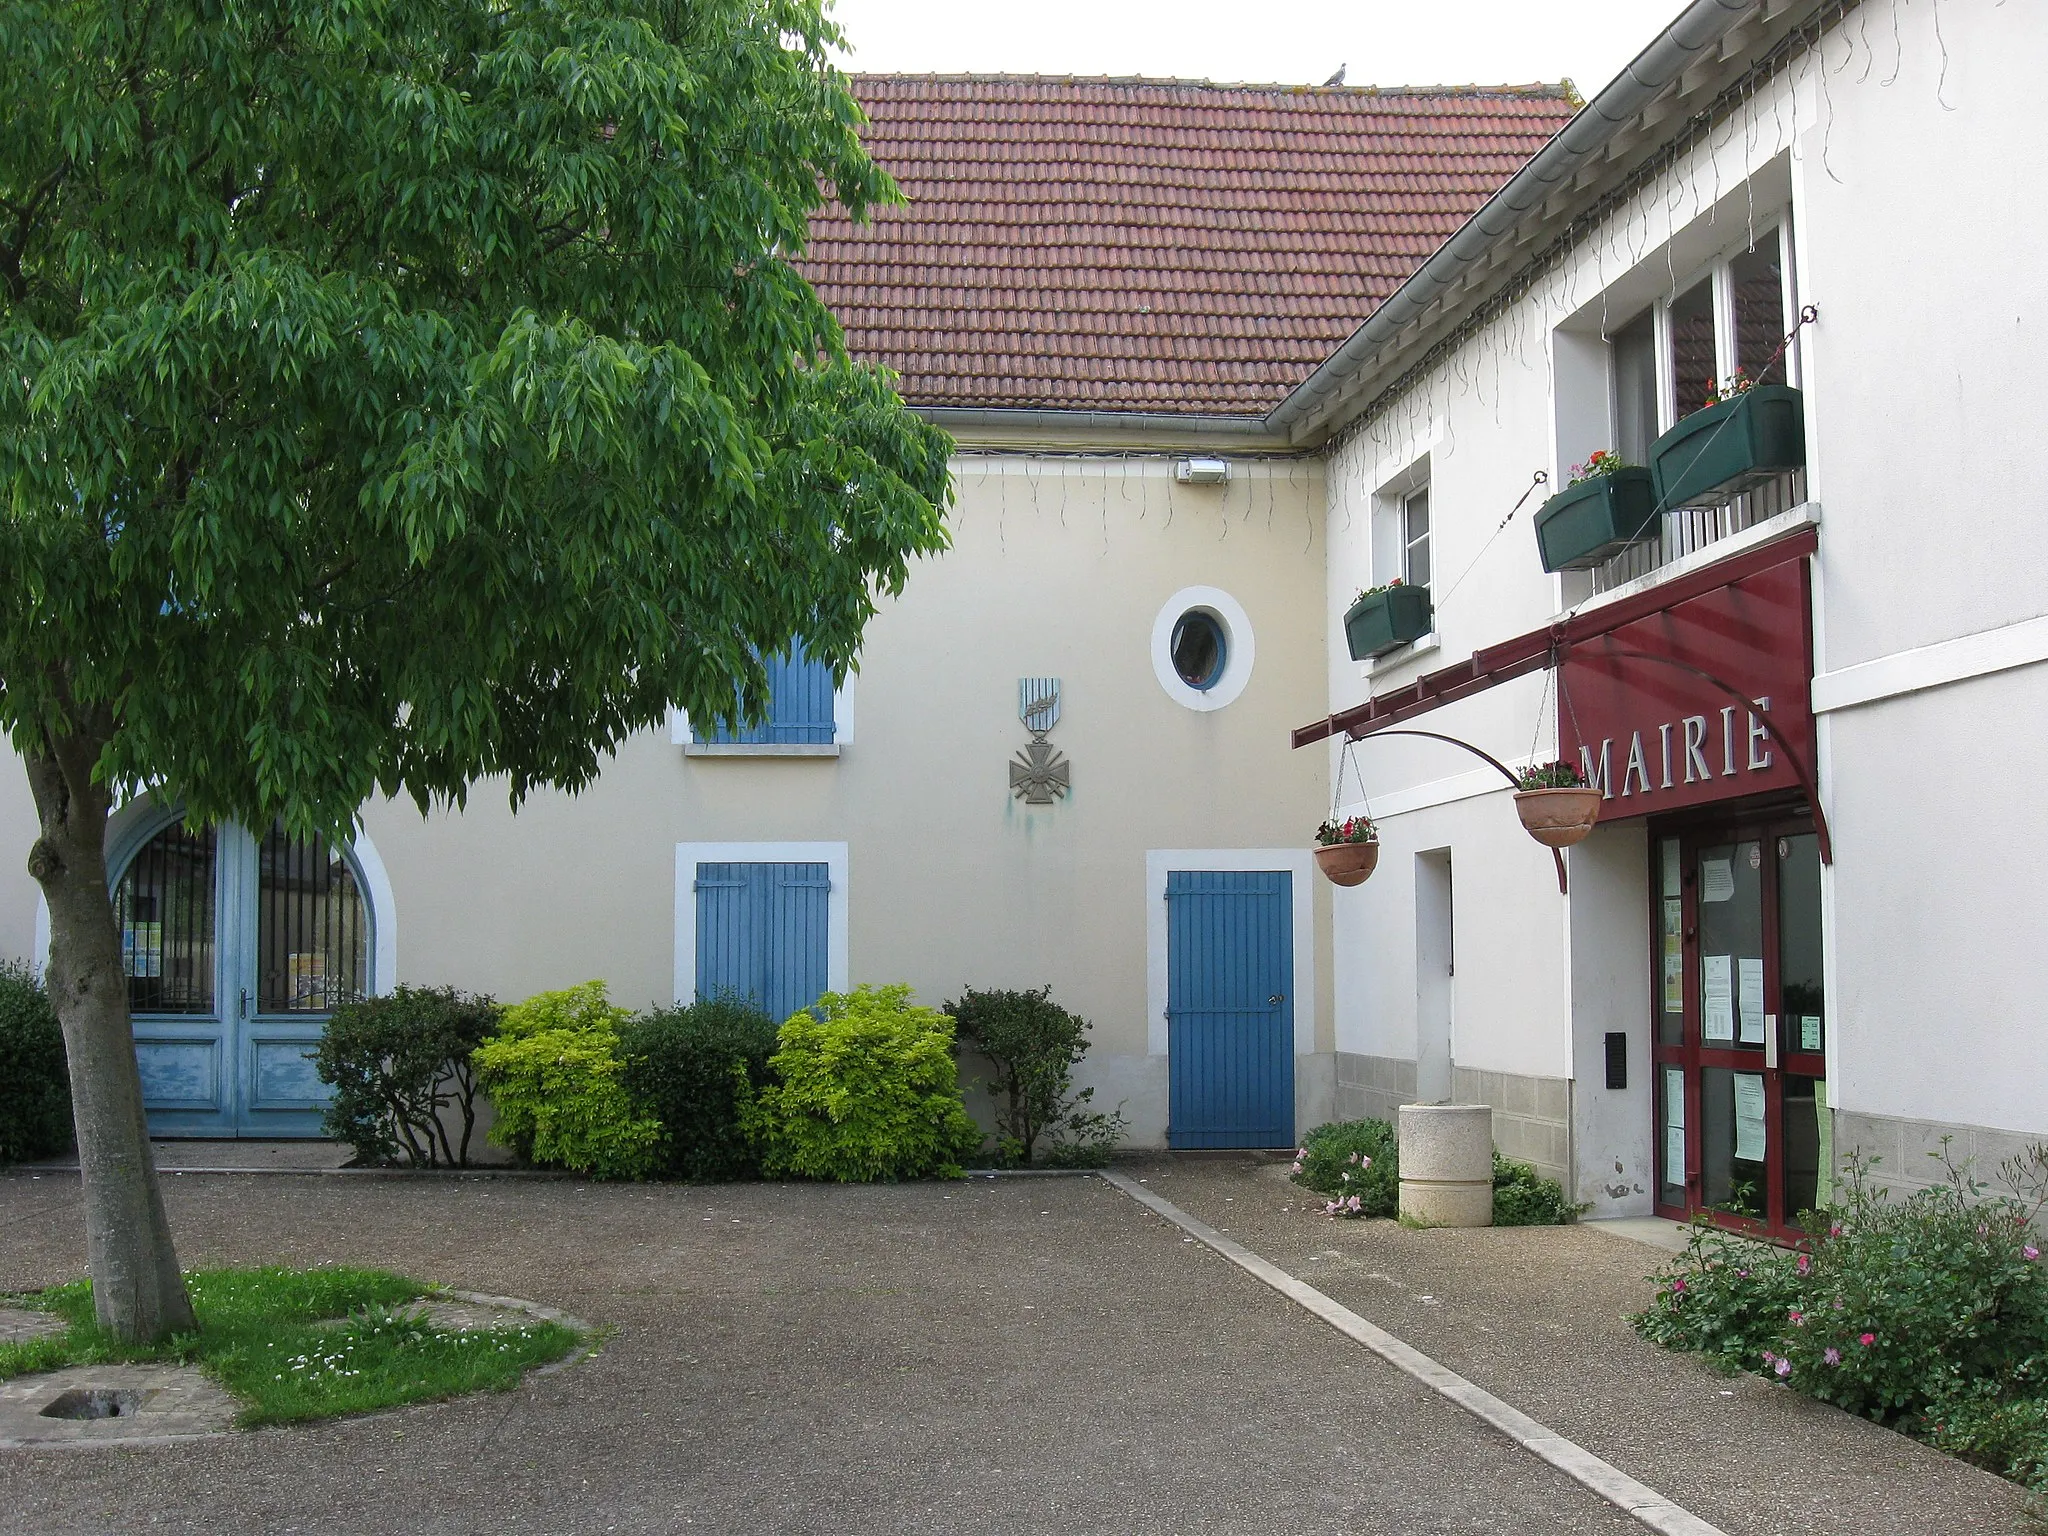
(1447, 1164)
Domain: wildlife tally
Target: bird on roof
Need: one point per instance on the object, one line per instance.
(1337, 78)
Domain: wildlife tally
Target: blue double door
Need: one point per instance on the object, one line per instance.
(236, 949)
(1230, 1008)
(763, 933)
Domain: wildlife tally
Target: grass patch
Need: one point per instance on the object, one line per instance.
(270, 1337)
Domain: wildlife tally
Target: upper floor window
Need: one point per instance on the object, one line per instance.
(1415, 537)
(1729, 321)
(800, 708)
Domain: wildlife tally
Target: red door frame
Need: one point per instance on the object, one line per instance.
(1763, 824)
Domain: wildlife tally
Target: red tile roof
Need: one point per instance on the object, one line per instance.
(1150, 245)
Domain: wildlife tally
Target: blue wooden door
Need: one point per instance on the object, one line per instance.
(762, 933)
(236, 950)
(1230, 1008)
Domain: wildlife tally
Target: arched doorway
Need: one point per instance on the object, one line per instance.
(236, 948)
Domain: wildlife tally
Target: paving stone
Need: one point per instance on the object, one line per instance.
(155, 1402)
(18, 1325)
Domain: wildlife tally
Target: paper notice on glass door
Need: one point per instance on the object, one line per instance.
(1674, 1125)
(1749, 1117)
(1717, 879)
(1674, 956)
(1717, 997)
(1749, 999)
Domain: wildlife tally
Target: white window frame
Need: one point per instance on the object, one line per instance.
(690, 855)
(681, 734)
(1409, 539)
(1720, 271)
(1388, 541)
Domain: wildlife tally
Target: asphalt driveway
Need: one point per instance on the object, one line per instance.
(1015, 1355)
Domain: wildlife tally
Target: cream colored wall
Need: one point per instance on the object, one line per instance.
(1058, 568)
(19, 897)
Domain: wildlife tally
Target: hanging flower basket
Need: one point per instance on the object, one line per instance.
(1750, 434)
(1607, 508)
(1557, 806)
(1348, 851)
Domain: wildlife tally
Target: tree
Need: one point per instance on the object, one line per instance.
(397, 393)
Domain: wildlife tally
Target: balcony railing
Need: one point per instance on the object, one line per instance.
(1694, 528)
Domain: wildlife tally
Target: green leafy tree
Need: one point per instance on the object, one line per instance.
(395, 393)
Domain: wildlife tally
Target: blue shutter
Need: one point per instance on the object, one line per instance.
(1230, 1008)
(762, 932)
(800, 704)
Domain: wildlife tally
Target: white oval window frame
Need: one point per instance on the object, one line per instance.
(1239, 649)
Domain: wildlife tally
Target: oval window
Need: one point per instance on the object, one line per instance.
(1199, 649)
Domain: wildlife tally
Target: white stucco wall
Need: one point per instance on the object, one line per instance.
(1916, 234)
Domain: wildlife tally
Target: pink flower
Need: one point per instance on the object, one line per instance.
(1835, 1230)
(1364, 1161)
(1783, 1367)
(1866, 1340)
(1297, 1168)
(1805, 1263)
(2030, 1253)
(1832, 1356)
(1678, 1285)
(1799, 1318)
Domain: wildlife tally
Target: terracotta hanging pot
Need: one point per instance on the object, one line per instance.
(1557, 818)
(1348, 863)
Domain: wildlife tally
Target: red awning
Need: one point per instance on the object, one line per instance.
(1537, 649)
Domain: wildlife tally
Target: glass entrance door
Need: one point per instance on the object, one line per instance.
(1741, 1036)
(236, 950)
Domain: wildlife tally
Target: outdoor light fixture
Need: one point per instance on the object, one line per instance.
(1202, 471)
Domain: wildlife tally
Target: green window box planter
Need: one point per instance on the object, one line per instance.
(1386, 621)
(1718, 453)
(1595, 520)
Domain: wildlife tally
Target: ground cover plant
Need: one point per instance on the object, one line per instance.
(1357, 1163)
(35, 1094)
(1522, 1197)
(1033, 1045)
(271, 1337)
(400, 1069)
(864, 1087)
(1927, 1313)
(691, 1069)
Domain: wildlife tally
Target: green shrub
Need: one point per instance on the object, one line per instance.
(35, 1090)
(690, 1068)
(554, 1077)
(396, 1064)
(1034, 1045)
(1522, 1197)
(864, 1088)
(1357, 1163)
(1929, 1313)
(2002, 1434)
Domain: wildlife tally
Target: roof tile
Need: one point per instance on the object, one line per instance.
(1150, 245)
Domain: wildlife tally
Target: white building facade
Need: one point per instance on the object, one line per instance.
(1804, 926)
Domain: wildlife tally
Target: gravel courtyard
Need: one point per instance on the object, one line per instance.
(1019, 1355)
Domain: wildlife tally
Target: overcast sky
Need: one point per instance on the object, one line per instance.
(1381, 42)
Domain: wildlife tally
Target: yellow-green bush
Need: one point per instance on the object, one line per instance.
(554, 1076)
(864, 1088)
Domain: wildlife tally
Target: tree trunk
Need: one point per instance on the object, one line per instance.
(138, 1293)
